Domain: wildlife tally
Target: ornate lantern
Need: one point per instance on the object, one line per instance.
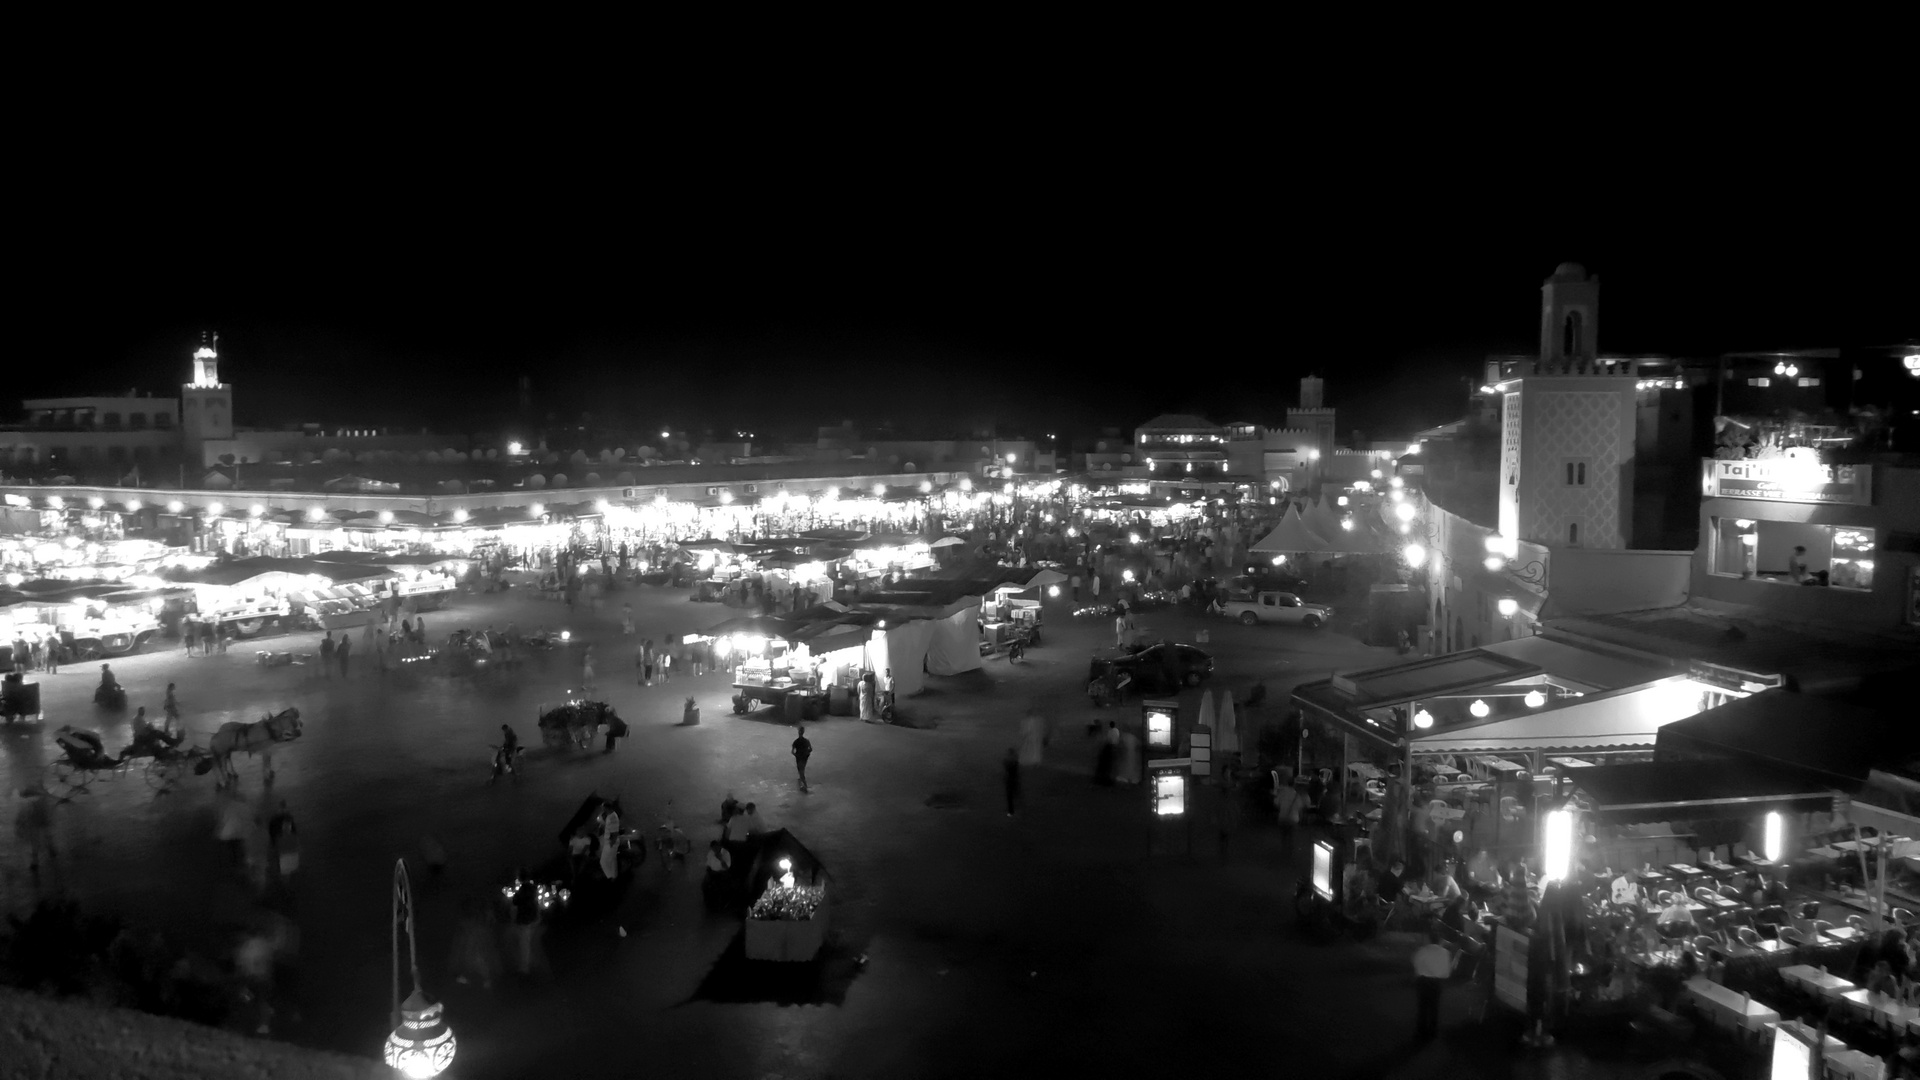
(422, 1044)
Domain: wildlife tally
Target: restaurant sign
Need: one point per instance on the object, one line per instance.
(1791, 480)
(1510, 949)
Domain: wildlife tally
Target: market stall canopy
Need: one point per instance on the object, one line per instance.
(726, 547)
(1693, 790)
(948, 541)
(771, 627)
(1291, 535)
(767, 849)
(235, 571)
(1624, 720)
(839, 535)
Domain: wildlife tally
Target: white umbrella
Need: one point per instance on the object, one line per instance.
(1206, 709)
(1227, 731)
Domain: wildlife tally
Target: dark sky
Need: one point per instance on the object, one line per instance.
(939, 255)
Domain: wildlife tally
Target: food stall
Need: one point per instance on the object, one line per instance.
(786, 890)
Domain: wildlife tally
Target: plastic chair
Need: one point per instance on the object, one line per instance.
(1748, 936)
(1902, 916)
(1810, 910)
(1857, 922)
(1815, 926)
(1665, 896)
(1704, 894)
(1793, 937)
(1706, 943)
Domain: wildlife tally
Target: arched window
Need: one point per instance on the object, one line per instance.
(1571, 332)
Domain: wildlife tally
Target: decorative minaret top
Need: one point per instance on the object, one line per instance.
(206, 363)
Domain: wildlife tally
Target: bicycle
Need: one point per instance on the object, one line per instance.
(503, 762)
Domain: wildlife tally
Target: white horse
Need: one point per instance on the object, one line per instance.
(258, 737)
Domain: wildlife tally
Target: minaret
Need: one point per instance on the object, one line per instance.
(206, 403)
(1569, 321)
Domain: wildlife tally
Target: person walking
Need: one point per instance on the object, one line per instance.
(170, 709)
(326, 655)
(283, 842)
(1286, 805)
(1010, 765)
(802, 750)
(1433, 963)
(646, 662)
(189, 633)
(344, 651)
(33, 827)
(586, 670)
(206, 637)
(640, 664)
(626, 620)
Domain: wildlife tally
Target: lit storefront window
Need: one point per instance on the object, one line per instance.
(1794, 553)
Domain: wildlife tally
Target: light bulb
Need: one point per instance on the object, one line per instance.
(1423, 719)
(1535, 699)
(1479, 708)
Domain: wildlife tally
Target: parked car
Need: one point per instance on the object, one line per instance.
(1153, 668)
(1273, 607)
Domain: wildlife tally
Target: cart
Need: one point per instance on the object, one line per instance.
(797, 700)
(786, 892)
(19, 699)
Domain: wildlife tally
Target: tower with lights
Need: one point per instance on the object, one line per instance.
(206, 403)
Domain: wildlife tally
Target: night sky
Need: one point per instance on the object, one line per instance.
(940, 262)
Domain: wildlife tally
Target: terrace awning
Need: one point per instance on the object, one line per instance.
(1628, 720)
(1693, 790)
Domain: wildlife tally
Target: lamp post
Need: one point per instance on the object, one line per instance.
(421, 1044)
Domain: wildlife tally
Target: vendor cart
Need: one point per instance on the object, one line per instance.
(19, 699)
(786, 893)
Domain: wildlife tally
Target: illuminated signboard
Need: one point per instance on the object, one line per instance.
(1792, 1053)
(1159, 718)
(1793, 480)
(1323, 869)
(1169, 793)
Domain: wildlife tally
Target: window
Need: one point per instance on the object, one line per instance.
(1809, 382)
(1760, 381)
(1794, 553)
(1576, 472)
(162, 420)
(137, 421)
(110, 420)
(1573, 533)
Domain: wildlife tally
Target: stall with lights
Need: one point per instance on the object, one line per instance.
(786, 891)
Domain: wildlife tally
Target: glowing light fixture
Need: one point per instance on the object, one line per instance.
(1313, 455)
(1495, 564)
(422, 1044)
(1509, 607)
(514, 448)
(966, 483)
(214, 509)
(1053, 591)
(566, 635)
(1011, 458)
(1396, 482)
(256, 510)
(726, 497)
(96, 502)
(1479, 708)
(660, 499)
(460, 515)
(1127, 576)
(880, 490)
(926, 486)
(176, 506)
(1775, 845)
(1377, 474)
(316, 514)
(1534, 699)
(1558, 855)
(1423, 719)
(1343, 500)
(1416, 555)
(1404, 511)
(1347, 524)
(133, 505)
(386, 517)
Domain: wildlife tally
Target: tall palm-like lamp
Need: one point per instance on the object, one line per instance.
(421, 1044)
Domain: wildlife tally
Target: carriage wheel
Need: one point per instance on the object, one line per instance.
(65, 780)
(162, 775)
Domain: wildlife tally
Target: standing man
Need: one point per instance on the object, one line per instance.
(1011, 765)
(802, 750)
(326, 655)
(343, 652)
(1432, 964)
(189, 631)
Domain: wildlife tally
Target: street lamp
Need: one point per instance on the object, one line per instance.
(1508, 607)
(422, 1044)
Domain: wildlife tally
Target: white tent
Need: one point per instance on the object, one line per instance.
(1206, 710)
(955, 644)
(902, 649)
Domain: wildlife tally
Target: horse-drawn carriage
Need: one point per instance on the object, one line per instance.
(83, 759)
(577, 722)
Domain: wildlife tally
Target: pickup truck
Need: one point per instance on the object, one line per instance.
(1273, 607)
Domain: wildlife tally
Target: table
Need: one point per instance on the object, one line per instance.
(1649, 877)
(1721, 903)
(1855, 1065)
(1816, 980)
(1830, 854)
(1685, 870)
(1766, 947)
(1842, 933)
(1888, 1010)
(1740, 1008)
(1715, 866)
